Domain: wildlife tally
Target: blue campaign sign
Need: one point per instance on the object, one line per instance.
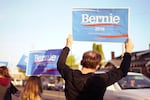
(104, 25)
(43, 62)
(22, 62)
(3, 63)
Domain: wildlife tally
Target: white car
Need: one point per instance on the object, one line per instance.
(17, 82)
(135, 86)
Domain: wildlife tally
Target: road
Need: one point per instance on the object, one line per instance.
(48, 95)
(53, 95)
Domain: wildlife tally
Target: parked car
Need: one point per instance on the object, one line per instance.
(60, 86)
(51, 86)
(135, 86)
(45, 84)
(57, 87)
(17, 82)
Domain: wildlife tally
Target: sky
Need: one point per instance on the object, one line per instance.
(27, 25)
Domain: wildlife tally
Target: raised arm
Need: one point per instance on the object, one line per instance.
(125, 64)
(61, 64)
(116, 74)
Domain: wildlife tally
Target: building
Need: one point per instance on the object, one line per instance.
(140, 62)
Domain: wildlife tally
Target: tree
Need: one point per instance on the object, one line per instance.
(71, 61)
(98, 48)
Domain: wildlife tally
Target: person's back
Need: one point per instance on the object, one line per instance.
(84, 87)
(85, 84)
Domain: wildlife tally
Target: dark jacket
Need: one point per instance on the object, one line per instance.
(89, 86)
(6, 89)
(10, 90)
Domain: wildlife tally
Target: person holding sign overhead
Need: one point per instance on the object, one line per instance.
(85, 84)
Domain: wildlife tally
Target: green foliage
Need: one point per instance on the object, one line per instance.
(20, 70)
(98, 48)
(94, 46)
(71, 61)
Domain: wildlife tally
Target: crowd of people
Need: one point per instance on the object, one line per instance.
(82, 84)
(32, 90)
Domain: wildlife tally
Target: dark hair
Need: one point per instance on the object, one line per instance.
(90, 59)
(4, 71)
